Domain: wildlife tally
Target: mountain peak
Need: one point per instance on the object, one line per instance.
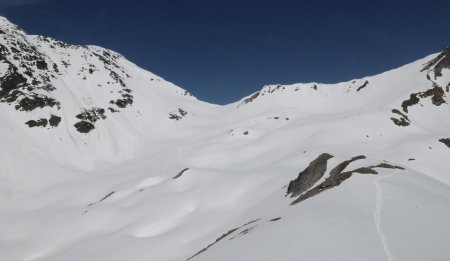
(102, 160)
(8, 26)
(54, 87)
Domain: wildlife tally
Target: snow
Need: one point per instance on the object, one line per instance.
(377, 216)
(111, 195)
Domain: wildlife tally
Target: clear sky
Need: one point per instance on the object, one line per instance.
(222, 50)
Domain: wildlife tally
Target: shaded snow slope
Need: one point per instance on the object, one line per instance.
(151, 173)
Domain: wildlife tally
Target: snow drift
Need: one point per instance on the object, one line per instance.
(102, 160)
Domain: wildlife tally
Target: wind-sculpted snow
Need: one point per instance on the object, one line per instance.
(102, 160)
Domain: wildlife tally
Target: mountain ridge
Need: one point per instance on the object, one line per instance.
(138, 169)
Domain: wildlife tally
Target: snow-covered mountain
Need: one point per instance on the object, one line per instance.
(102, 160)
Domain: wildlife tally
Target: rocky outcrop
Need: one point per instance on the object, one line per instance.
(229, 232)
(364, 85)
(178, 115)
(402, 119)
(442, 61)
(33, 65)
(88, 117)
(308, 177)
(84, 126)
(180, 173)
(445, 141)
(336, 177)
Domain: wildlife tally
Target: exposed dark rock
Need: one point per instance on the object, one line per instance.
(308, 177)
(180, 173)
(275, 219)
(89, 117)
(15, 87)
(413, 100)
(11, 81)
(37, 123)
(245, 231)
(401, 114)
(36, 101)
(362, 86)
(105, 197)
(41, 65)
(54, 120)
(186, 93)
(245, 133)
(251, 98)
(442, 61)
(215, 242)
(387, 166)
(335, 179)
(436, 93)
(92, 114)
(341, 166)
(365, 170)
(84, 126)
(182, 112)
(220, 238)
(117, 78)
(123, 103)
(55, 67)
(337, 176)
(446, 141)
(400, 122)
(173, 116)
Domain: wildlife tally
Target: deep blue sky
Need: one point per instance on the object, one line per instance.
(222, 50)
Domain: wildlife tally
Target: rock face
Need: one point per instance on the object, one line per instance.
(36, 70)
(446, 141)
(436, 93)
(88, 117)
(178, 115)
(308, 177)
(403, 120)
(442, 61)
(302, 186)
(363, 86)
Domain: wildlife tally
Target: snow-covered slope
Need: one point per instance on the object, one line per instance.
(102, 160)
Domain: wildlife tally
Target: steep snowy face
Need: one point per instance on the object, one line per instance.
(36, 68)
(25, 78)
(62, 92)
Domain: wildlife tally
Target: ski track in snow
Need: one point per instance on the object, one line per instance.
(377, 216)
